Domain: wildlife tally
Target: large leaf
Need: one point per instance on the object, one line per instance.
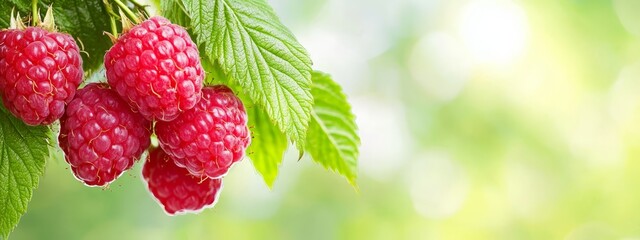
(23, 150)
(84, 20)
(332, 139)
(268, 145)
(251, 44)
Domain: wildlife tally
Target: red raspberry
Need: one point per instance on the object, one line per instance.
(100, 135)
(39, 73)
(209, 138)
(155, 66)
(175, 189)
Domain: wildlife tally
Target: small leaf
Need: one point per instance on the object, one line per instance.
(268, 145)
(23, 151)
(332, 139)
(84, 20)
(251, 44)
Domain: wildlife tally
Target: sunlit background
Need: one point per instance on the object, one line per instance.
(480, 119)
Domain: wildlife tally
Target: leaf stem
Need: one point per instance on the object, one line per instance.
(127, 11)
(34, 12)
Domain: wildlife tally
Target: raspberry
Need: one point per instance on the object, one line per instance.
(155, 66)
(39, 73)
(100, 135)
(175, 189)
(209, 138)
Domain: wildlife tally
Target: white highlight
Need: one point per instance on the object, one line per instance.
(494, 31)
(382, 126)
(438, 186)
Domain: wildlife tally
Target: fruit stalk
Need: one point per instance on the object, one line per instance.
(128, 11)
(112, 18)
(34, 12)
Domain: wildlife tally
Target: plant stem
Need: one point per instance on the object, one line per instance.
(114, 28)
(112, 18)
(34, 12)
(136, 4)
(127, 11)
(141, 7)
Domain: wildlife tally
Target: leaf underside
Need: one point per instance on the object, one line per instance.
(332, 139)
(267, 145)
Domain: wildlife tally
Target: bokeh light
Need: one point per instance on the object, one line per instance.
(494, 31)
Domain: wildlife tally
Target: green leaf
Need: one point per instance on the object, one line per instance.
(332, 139)
(268, 145)
(84, 20)
(175, 12)
(23, 151)
(5, 10)
(251, 44)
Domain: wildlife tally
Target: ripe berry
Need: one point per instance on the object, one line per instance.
(209, 138)
(175, 189)
(155, 67)
(39, 73)
(100, 135)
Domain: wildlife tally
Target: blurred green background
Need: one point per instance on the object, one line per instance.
(480, 119)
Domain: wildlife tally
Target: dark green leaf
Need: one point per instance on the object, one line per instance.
(84, 20)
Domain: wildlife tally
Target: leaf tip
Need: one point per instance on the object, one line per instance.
(269, 183)
(355, 186)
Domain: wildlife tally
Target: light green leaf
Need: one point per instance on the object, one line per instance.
(23, 151)
(84, 20)
(332, 139)
(175, 12)
(251, 44)
(268, 145)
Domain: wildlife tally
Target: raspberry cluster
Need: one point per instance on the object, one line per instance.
(154, 78)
